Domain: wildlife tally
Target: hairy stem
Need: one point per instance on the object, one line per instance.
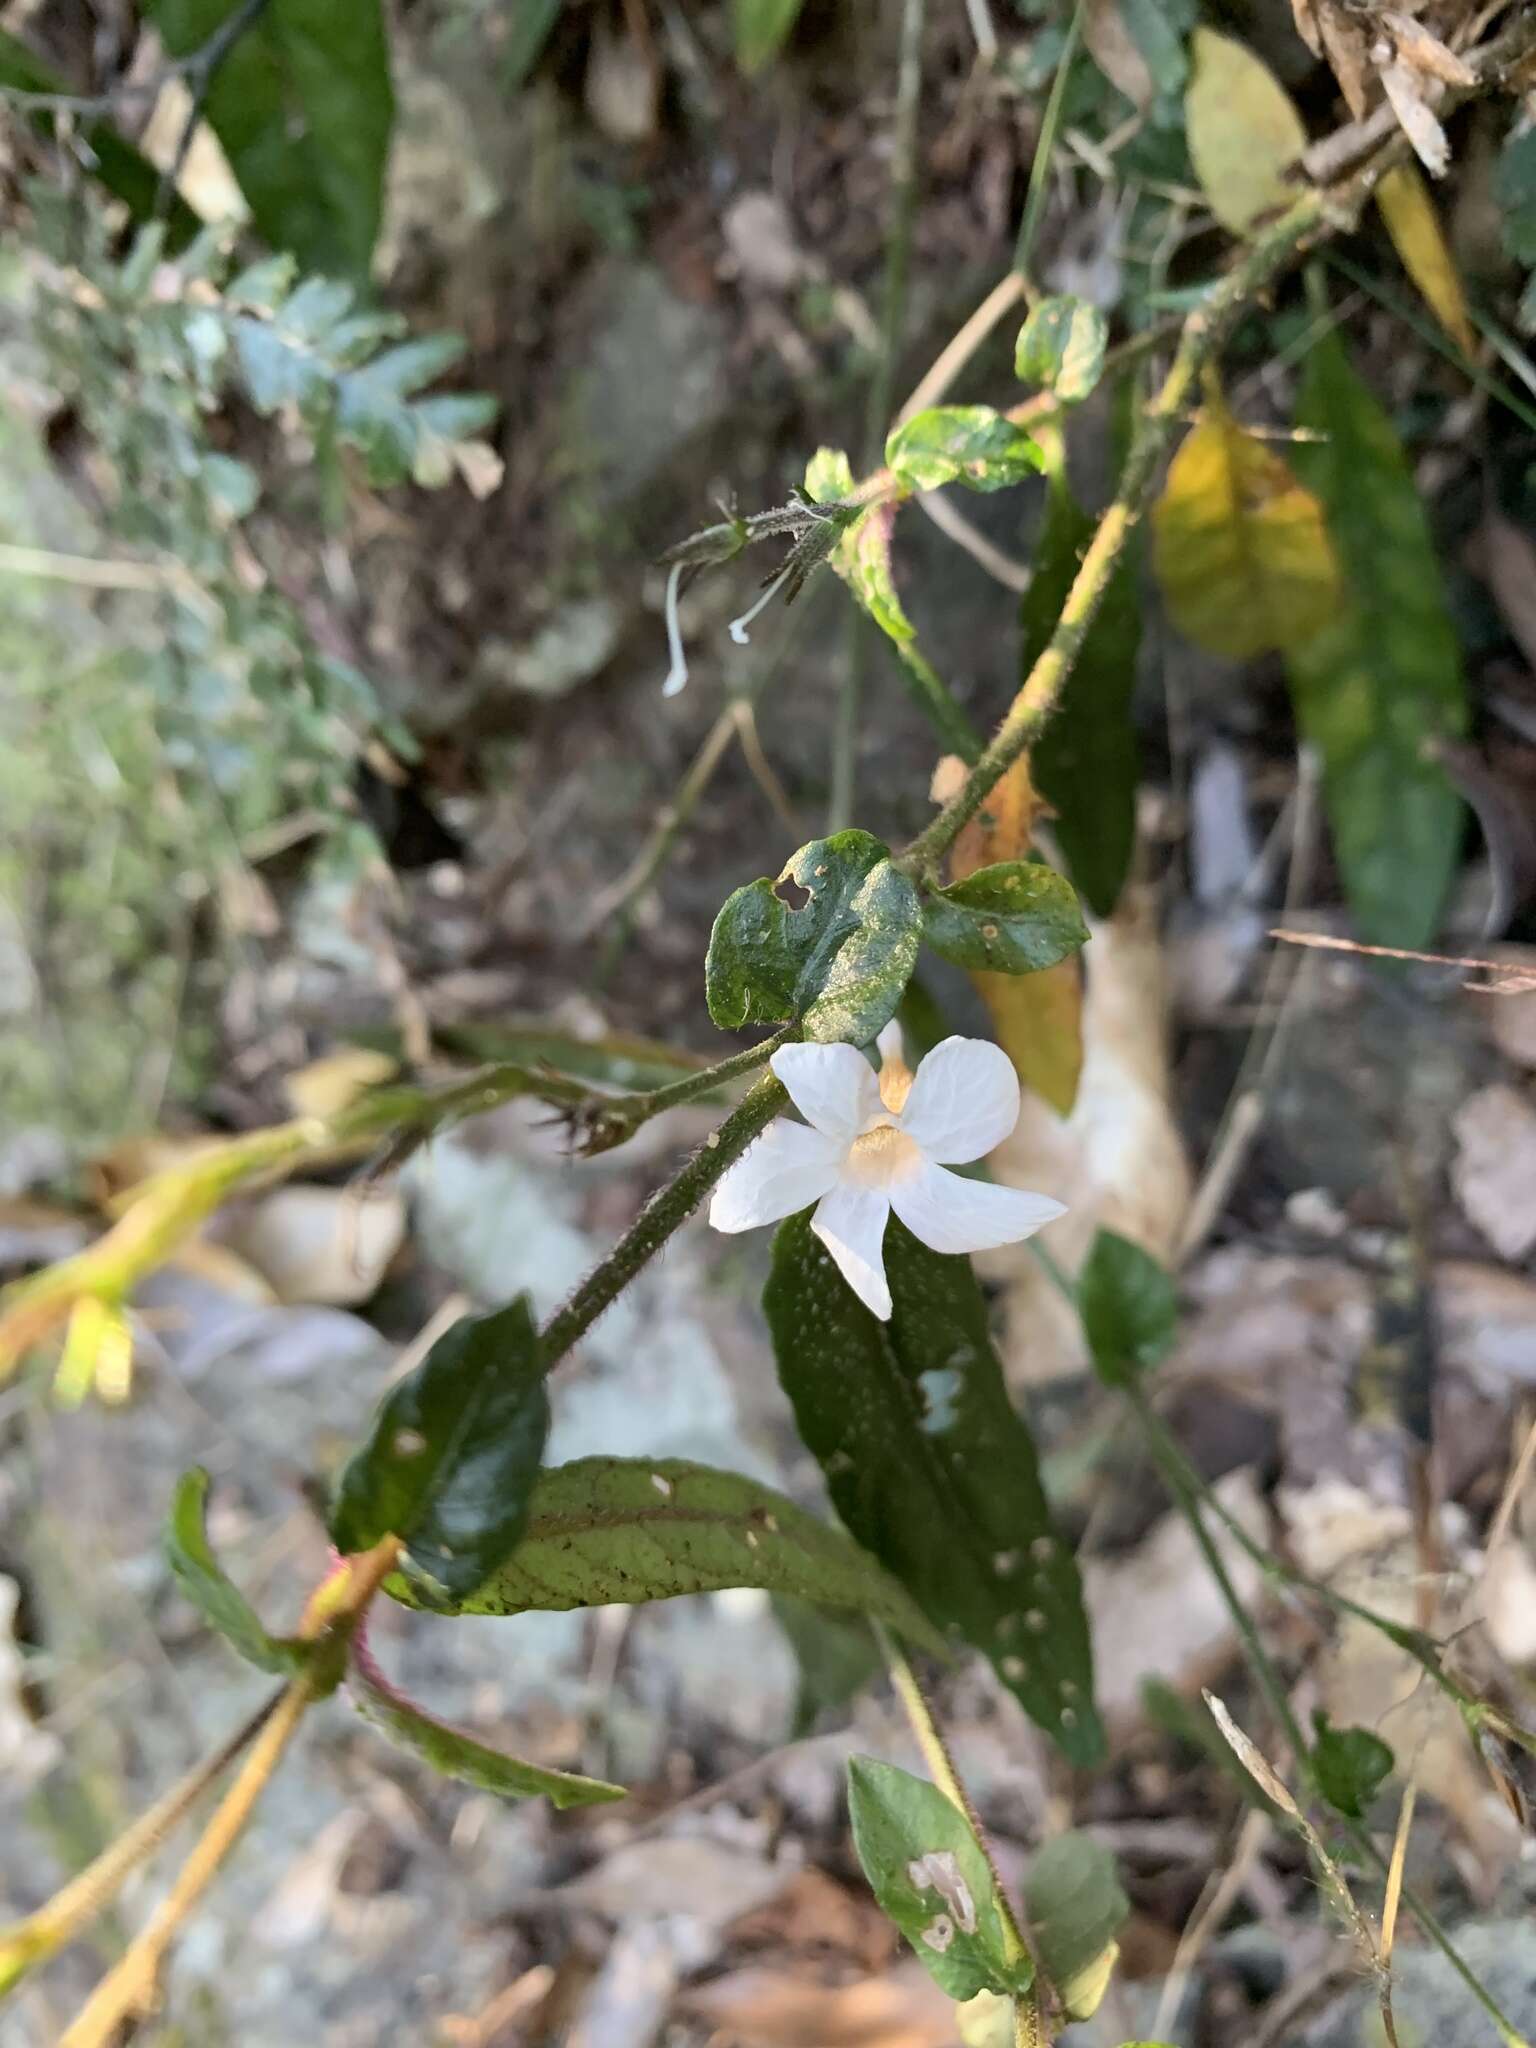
(1204, 332)
(666, 1210)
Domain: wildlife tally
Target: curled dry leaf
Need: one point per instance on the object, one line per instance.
(1117, 1160)
(1329, 32)
(1405, 88)
(1418, 46)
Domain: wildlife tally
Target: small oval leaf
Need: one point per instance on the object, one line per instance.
(926, 1869)
(1129, 1308)
(1244, 133)
(217, 1599)
(961, 444)
(1350, 1764)
(832, 943)
(1076, 1908)
(450, 1462)
(453, 1753)
(1013, 918)
(1061, 345)
(610, 1531)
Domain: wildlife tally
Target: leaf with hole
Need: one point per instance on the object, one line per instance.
(609, 1531)
(831, 944)
(1244, 132)
(931, 1468)
(1240, 545)
(1350, 1764)
(452, 1752)
(961, 444)
(1075, 1908)
(212, 1592)
(1129, 1309)
(1061, 345)
(1013, 918)
(450, 1462)
(928, 1874)
(302, 105)
(1381, 682)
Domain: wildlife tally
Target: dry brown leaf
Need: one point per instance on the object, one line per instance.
(1404, 87)
(1307, 25)
(764, 2008)
(1425, 51)
(1158, 1613)
(1330, 33)
(1495, 1170)
(1113, 48)
(1118, 1160)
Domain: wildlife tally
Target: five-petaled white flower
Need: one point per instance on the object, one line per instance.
(870, 1145)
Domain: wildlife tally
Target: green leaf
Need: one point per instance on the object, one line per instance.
(961, 444)
(1129, 1308)
(1241, 547)
(838, 962)
(450, 1463)
(532, 21)
(1086, 762)
(454, 1754)
(829, 477)
(1075, 1907)
(930, 1467)
(217, 1599)
(926, 1870)
(761, 28)
(1514, 187)
(120, 167)
(1351, 1765)
(1061, 345)
(1375, 689)
(303, 107)
(1244, 133)
(837, 1655)
(1013, 918)
(608, 1531)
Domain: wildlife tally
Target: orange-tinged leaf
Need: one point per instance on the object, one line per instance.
(1414, 225)
(1038, 1017)
(1241, 548)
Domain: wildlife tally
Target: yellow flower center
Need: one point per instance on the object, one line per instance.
(882, 1157)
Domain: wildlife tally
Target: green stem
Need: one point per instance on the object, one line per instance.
(667, 1209)
(1203, 334)
(1045, 147)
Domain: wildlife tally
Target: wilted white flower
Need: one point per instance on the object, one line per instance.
(870, 1145)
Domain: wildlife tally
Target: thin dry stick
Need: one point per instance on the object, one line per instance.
(1504, 980)
(952, 522)
(129, 1989)
(1389, 1905)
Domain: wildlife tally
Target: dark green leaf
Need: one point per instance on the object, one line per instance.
(454, 1754)
(133, 178)
(931, 1468)
(838, 962)
(926, 1869)
(529, 31)
(961, 444)
(1012, 918)
(1061, 345)
(1377, 688)
(1075, 1907)
(303, 107)
(1085, 762)
(1129, 1308)
(1351, 1765)
(450, 1463)
(606, 1531)
(1514, 186)
(761, 29)
(215, 1596)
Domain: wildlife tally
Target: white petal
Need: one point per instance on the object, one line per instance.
(833, 1087)
(964, 1101)
(952, 1214)
(891, 1045)
(786, 1169)
(851, 1224)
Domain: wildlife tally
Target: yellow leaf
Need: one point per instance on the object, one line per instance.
(1244, 133)
(333, 1083)
(1414, 226)
(1038, 1018)
(1240, 547)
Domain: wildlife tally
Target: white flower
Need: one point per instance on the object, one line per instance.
(870, 1145)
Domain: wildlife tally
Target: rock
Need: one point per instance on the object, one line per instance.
(1495, 1170)
(1431, 2003)
(571, 647)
